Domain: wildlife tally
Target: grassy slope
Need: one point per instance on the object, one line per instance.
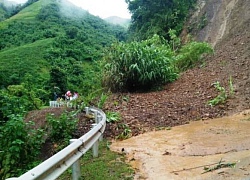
(109, 165)
(27, 14)
(29, 55)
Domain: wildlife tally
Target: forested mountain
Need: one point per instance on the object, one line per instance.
(53, 41)
(118, 20)
(6, 7)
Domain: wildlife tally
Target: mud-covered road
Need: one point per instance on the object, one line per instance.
(192, 151)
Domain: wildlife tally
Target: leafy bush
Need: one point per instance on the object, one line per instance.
(19, 147)
(221, 98)
(223, 93)
(113, 117)
(62, 128)
(17, 100)
(190, 54)
(138, 65)
(126, 131)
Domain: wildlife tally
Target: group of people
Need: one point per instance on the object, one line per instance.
(69, 96)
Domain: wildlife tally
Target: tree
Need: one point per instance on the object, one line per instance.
(58, 79)
(157, 17)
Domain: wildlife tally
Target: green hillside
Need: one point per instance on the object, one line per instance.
(24, 59)
(49, 34)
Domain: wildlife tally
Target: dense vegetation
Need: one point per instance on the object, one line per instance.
(49, 45)
(139, 65)
(157, 17)
(53, 47)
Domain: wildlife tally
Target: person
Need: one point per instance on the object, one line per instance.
(75, 96)
(55, 96)
(56, 91)
(68, 96)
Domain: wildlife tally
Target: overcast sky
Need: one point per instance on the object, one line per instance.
(102, 8)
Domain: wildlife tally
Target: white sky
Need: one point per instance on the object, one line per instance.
(101, 8)
(104, 8)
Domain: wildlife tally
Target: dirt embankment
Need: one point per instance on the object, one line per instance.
(214, 20)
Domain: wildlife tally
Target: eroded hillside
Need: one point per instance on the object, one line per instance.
(215, 20)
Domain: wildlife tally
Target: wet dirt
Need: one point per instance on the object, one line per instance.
(184, 151)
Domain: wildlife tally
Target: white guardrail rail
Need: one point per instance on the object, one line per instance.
(53, 167)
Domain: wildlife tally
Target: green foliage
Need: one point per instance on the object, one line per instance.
(191, 54)
(219, 166)
(92, 79)
(102, 101)
(19, 99)
(53, 43)
(19, 147)
(157, 17)
(138, 65)
(198, 23)
(203, 22)
(61, 128)
(26, 59)
(174, 42)
(126, 131)
(113, 117)
(223, 94)
(221, 98)
(108, 165)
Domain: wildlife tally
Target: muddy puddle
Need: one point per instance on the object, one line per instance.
(208, 149)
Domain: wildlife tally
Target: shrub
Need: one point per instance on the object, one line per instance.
(138, 65)
(113, 117)
(223, 93)
(62, 128)
(19, 147)
(190, 54)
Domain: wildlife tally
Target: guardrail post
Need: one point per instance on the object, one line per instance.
(95, 146)
(76, 172)
(95, 115)
(99, 119)
(87, 110)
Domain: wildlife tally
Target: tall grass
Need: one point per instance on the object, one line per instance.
(139, 65)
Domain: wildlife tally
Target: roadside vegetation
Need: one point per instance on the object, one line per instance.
(108, 165)
(41, 48)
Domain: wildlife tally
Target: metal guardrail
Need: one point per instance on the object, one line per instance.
(54, 104)
(53, 167)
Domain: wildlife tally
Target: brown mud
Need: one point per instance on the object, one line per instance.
(184, 151)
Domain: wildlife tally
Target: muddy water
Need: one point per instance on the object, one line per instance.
(184, 151)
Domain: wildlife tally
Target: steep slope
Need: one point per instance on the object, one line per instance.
(214, 20)
(187, 98)
(71, 34)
